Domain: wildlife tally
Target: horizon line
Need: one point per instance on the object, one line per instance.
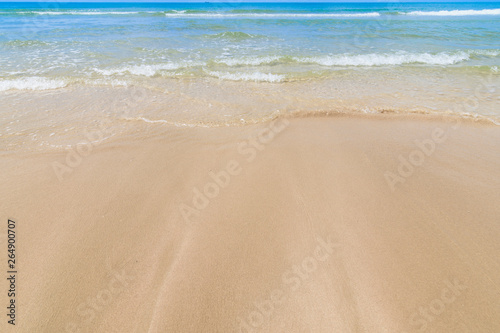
(256, 1)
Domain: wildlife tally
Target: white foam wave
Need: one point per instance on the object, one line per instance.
(248, 61)
(270, 16)
(455, 12)
(145, 70)
(371, 59)
(69, 12)
(184, 13)
(256, 76)
(31, 83)
(376, 59)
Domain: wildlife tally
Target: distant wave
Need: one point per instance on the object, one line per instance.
(271, 16)
(232, 35)
(193, 14)
(31, 83)
(70, 12)
(255, 14)
(85, 13)
(455, 12)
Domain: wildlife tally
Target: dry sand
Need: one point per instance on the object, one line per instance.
(303, 233)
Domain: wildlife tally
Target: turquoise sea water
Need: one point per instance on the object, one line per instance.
(52, 45)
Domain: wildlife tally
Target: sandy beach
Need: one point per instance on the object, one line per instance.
(382, 223)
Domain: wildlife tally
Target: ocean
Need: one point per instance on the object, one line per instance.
(50, 45)
(352, 56)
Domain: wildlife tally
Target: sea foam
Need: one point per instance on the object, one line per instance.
(455, 12)
(370, 59)
(31, 83)
(380, 59)
(145, 70)
(76, 12)
(248, 61)
(270, 16)
(256, 76)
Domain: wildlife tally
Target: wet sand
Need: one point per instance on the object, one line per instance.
(317, 224)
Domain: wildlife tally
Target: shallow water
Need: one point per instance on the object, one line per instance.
(65, 67)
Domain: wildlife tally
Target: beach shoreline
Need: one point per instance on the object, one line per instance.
(58, 119)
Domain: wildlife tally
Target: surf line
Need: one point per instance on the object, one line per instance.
(220, 180)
